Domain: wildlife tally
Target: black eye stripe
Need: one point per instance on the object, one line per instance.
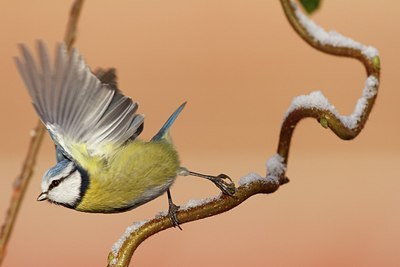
(71, 172)
(55, 183)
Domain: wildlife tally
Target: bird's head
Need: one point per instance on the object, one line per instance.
(64, 184)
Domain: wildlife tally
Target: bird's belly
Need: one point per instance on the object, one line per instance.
(133, 178)
(121, 199)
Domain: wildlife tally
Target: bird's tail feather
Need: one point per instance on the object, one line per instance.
(163, 132)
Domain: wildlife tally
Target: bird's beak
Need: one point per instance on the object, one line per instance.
(42, 196)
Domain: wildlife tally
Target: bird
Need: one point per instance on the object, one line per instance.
(102, 166)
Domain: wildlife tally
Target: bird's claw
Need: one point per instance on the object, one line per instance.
(227, 187)
(172, 209)
(222, 181)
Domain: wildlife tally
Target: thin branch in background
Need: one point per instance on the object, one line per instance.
(19, 188)
(314, 105)
(22, 181)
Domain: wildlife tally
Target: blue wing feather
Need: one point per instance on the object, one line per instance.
(60, 154)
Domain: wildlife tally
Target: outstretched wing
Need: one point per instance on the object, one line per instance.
(76, 107)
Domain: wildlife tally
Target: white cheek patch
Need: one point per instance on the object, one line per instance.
(68, 191)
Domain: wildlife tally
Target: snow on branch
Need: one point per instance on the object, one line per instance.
(275, 169)
(316, 100)
(128, 231)
(332, 38)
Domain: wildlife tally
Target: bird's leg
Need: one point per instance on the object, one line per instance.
(172, 209)
(222, 181)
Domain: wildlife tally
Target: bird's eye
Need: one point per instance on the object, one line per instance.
(55, 183)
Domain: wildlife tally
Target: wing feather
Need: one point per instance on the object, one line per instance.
(46, 79)
(75, 106)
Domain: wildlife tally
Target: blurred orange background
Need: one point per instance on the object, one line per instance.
(238, 64)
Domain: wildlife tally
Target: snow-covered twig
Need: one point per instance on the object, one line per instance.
(313, 105)
(316, 105)
(251, 184)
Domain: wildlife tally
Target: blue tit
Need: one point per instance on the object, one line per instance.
(102, 165)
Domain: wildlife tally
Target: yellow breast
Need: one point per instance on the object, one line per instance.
(135, 174)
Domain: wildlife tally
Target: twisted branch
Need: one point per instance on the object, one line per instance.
(314, 105)
(22, 181)
(345, 127)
